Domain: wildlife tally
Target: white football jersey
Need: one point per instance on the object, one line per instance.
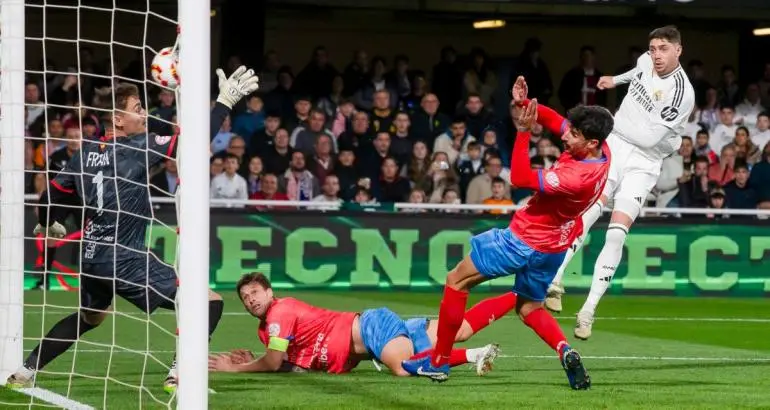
(654, 113)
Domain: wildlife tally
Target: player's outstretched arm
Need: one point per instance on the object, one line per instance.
(232, 89)
(271, 361)
(522, 176)
(548, 118)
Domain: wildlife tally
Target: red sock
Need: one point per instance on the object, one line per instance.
(456, 358)
(546, 327)
(488, 310)
(450, 318)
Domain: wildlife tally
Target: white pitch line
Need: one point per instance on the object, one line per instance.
(54, 398)
(434, 316)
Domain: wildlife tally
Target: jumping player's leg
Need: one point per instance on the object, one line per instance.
(632, 193)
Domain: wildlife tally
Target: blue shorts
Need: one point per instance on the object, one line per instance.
(498, 252)
(418, 332)
(378, 327)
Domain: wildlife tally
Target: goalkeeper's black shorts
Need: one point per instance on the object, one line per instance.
(146, 282)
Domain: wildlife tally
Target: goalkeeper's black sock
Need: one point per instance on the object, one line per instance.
(215, 313)
(57, 341)
(50, 257)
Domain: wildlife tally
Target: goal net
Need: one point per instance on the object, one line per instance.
(61, 61)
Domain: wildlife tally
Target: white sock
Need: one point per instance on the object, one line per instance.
(26, 372)
(606, 264)
(472, 355)
(172, 370)
(589, 219)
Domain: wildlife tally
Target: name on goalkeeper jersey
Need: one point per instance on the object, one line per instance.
(98, 159)
(640, 95)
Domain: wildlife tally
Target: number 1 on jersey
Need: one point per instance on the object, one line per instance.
(98, 180)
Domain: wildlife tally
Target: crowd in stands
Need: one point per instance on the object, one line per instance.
(380, 133)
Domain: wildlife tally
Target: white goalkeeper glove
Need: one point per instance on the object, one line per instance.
(56, 230)
(240, 84)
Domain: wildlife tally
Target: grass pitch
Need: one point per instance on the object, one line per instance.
(646, 352)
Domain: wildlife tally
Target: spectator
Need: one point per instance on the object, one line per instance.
(450, 196)
(369, 165)
(750, 108)
(346, 172)
(301, 114)
(744, 148)
(703, 147)
(160, 115)
(30, 169)
(164, 183)
(74, 118)
(697, 77)
(440, 177)
(477, 116)
(401, 143)
(254, 175)
(230, 185)
(304, 137)
(428, 122)
(531, 65)
(672, 173)
(39, 183)
(418, 166)
(54, 141)
(281, 98)
(253, 119)
(390, 187)
(364, 98)
(547, 151)
(89, 128)
(356, 73)
(738, 193)
(622, 89)
(358, 137)
(35, 107)
(764, 86)
(480, 187)
(470, 167)
(709, 113)
(417, 196)
(499, 189)
(278, 157)
(579, 84)
(343, 117)
(237, 147)
(268, 75)
(216, 166)
(261, 142)
(297, 182)
(328, 104)
(329, 193)
(480, 79)
(521, 196)
(382, 114)
(61, 157)
(491, 140)
(692, 126)
(759, 178)
(364, 197)
(411, 103)
(222, 140)
(724, 132)
(322, 161)
(399, 77)
(761, 136)
(728, 86)
(268, 192)
(717, 201)
(722, 172)
(317, 76)
(687, 152)
(694, 187)
(447, 80)
(454, 142)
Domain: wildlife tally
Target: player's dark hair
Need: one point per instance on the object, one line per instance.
(740, 163)
(123, 92)
(668, 33)
(498, 180)
(253, 277)
(593, 121)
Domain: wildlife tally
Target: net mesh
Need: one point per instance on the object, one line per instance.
(76, 52)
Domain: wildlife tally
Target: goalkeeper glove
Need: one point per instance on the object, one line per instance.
(240, 84)
(56, 230)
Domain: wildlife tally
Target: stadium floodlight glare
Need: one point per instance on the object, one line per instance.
(484, 24)
(764, 31)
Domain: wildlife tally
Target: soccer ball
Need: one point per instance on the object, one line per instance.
(163, 68)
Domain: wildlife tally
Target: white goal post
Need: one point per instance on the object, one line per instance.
(193, 107)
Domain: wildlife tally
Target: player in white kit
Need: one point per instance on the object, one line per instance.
(648, 128)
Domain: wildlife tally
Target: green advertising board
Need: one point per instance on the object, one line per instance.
(311, 250)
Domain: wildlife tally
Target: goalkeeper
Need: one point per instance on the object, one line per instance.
(109, 180)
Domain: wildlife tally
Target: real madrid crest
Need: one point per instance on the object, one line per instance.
(658, 95)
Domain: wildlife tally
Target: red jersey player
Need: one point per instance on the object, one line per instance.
(298, 335)
(535, 243)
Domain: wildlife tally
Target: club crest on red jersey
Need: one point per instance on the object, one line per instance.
(162, 139)
(274, 329)
(552, 179)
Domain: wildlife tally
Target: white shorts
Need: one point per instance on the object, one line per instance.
(631, 177)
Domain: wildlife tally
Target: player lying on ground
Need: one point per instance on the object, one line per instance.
(533, 246)
(299, 336)
(108, 178)
(647, 129)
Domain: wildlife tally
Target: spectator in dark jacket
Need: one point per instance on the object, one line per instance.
(760, 178)
(428, 123)
(738, 192)
(390, 186)
(693, 190)
(579, 85)
(317, 76)
(477, 116)
(448, 80)
(533, 68)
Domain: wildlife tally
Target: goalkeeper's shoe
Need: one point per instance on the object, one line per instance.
(553, 297)
(424, 368)
(585, 321)
(486, 359)
(23, 377)
(169, 385)
(573, 365)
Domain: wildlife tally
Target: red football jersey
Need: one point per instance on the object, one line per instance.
(319, 339)
(551, 221)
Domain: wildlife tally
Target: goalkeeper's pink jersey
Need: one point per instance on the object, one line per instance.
(319, 339)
